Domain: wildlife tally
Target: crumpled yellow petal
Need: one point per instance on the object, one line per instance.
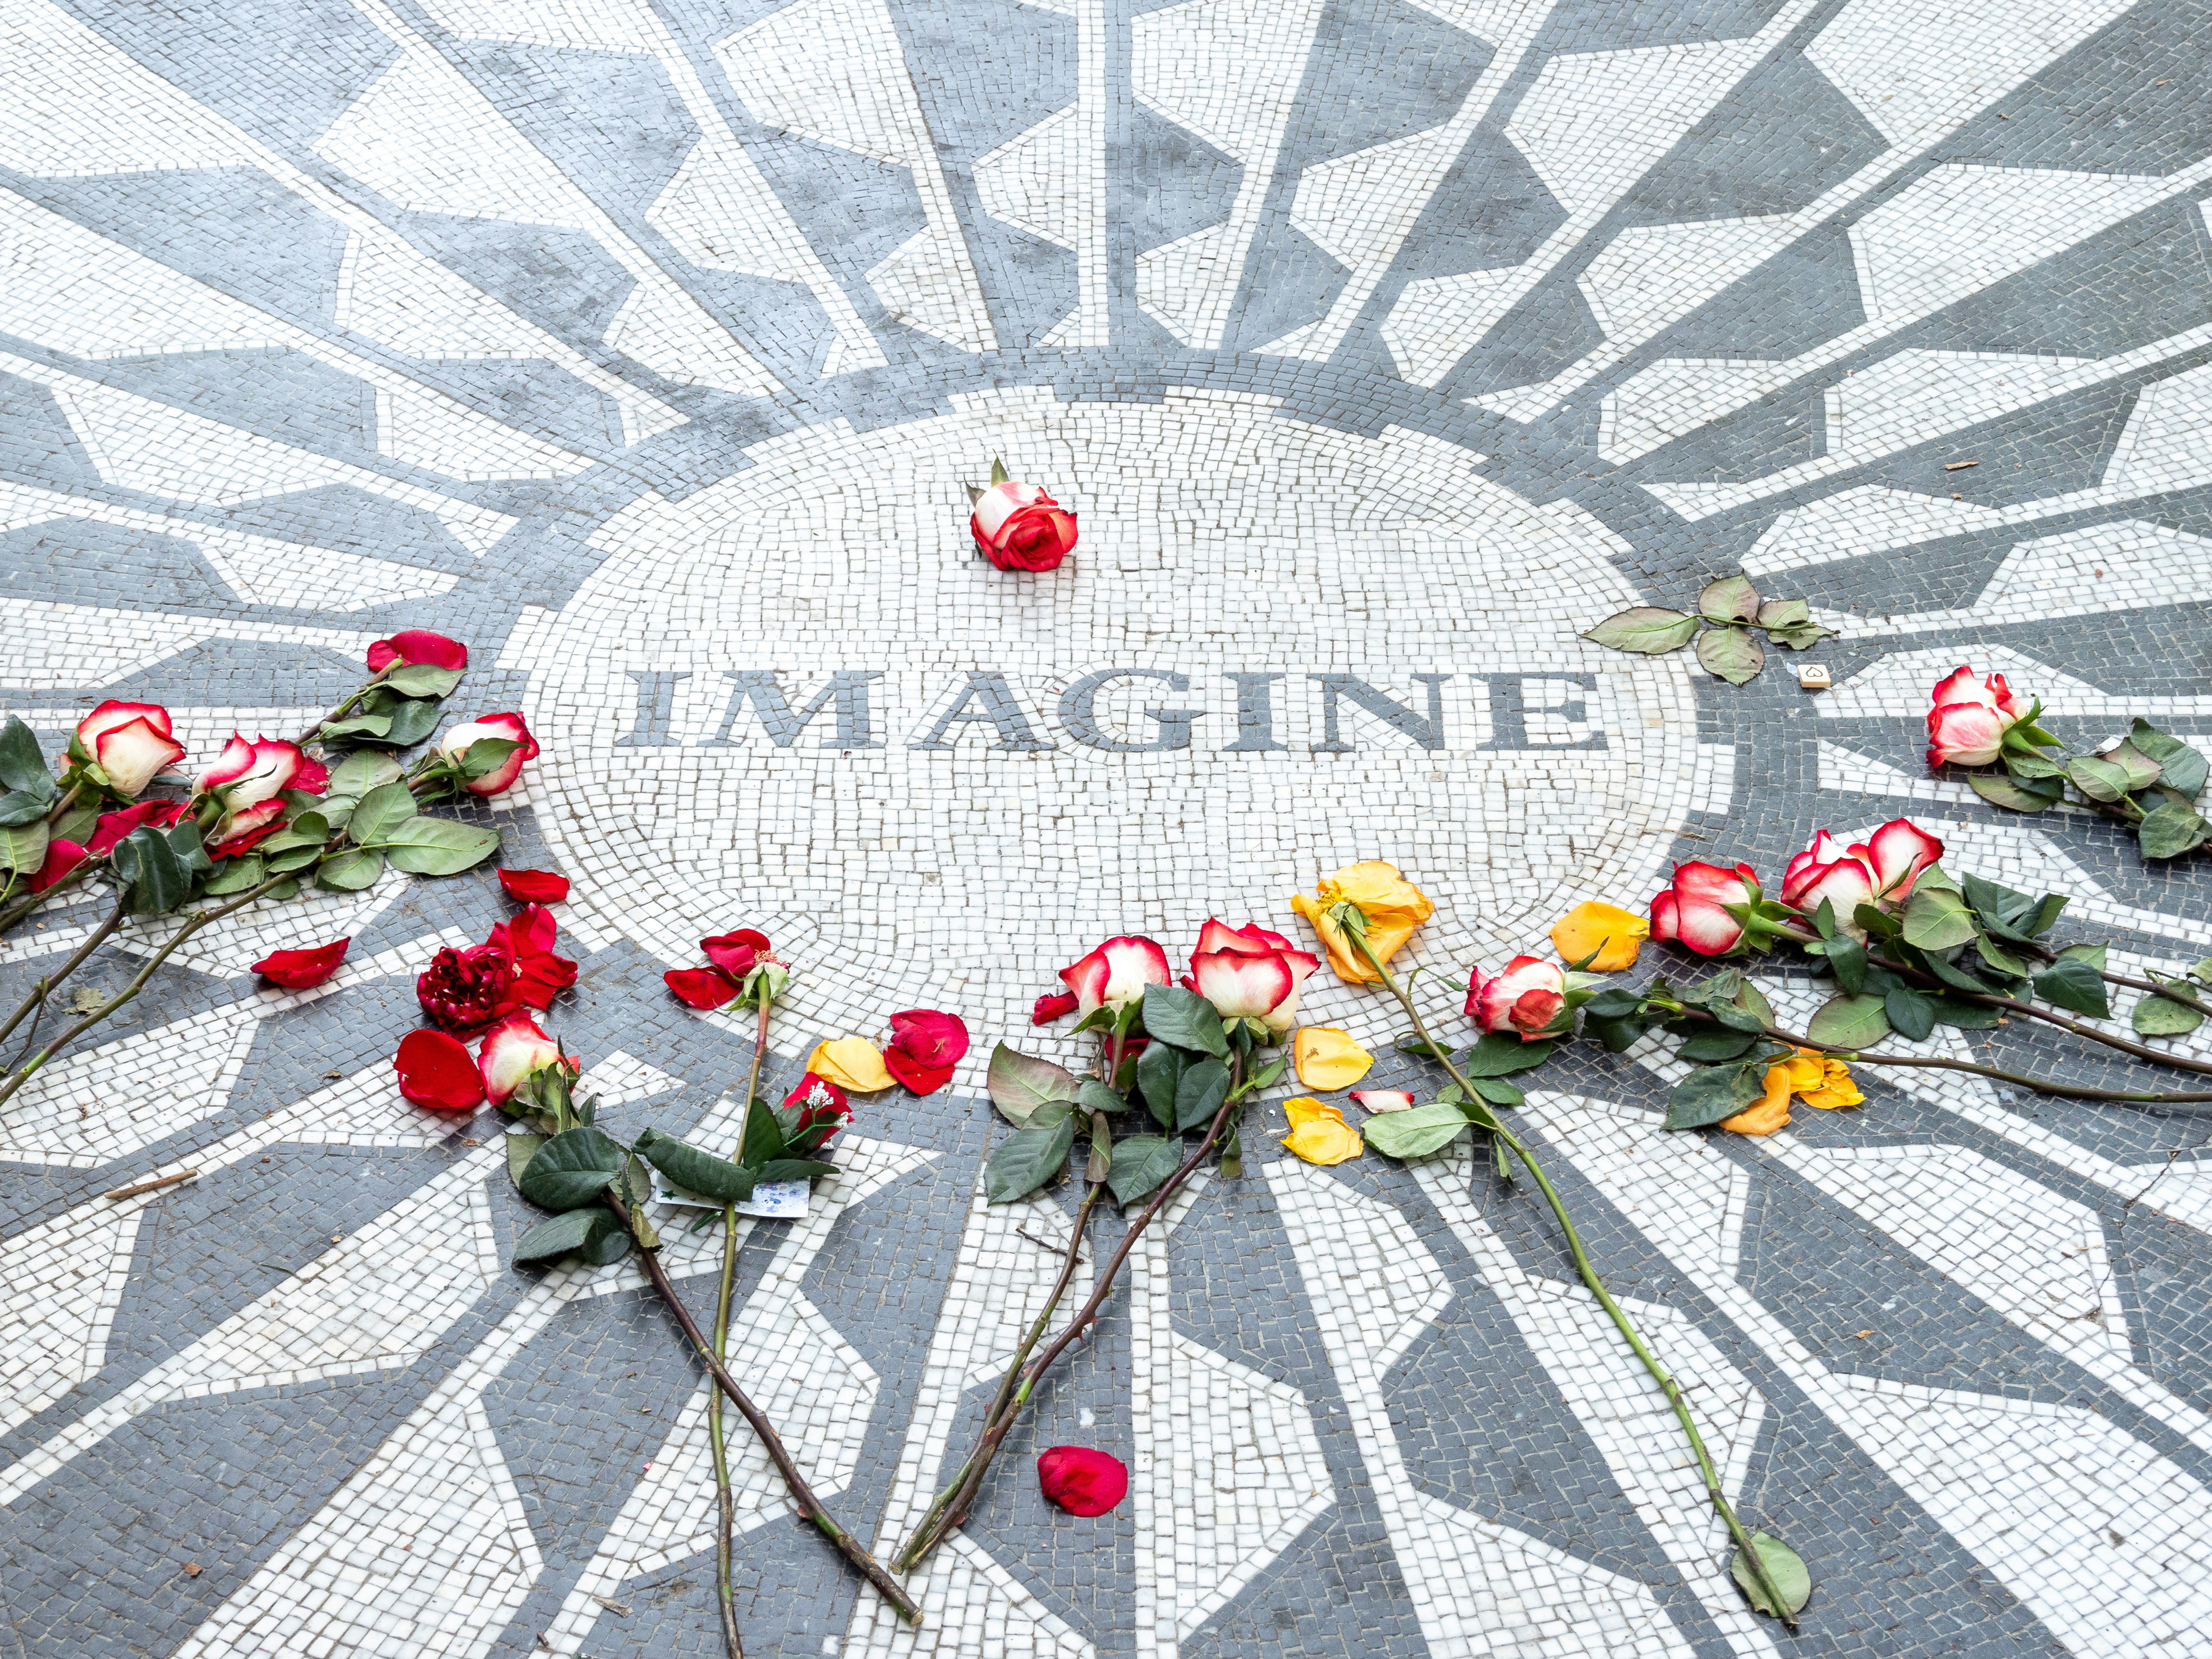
(1319, 1133)
(1393, 908)
(1811, 1077)
(1591, 925)
(852, 1063)
(1763, 1119)
(1326, 1059)
(1836, 1088)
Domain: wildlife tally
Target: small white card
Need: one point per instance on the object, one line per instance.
(772, 1201)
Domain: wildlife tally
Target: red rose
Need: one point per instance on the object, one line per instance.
(62, 857)
(528, 939)
(113, 826)
(700, 988)
(418, 645)
(534, 886)
(436, 1071)
(466, 990)
(924, 1047)
(812, 1113)
(1083, 1480)
(1052, 1005)
(298, 970)
(1019, 528)
(736, 953)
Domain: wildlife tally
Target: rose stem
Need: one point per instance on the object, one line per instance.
(1754, 1563)
(44, 988)
(725, 1505)
(138, 981)
(23, 905)
(908, 1559)
(2040, 1085)
(62, 806)
(956, 1512)
(809, 1506)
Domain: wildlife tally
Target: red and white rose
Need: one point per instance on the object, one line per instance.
(1525, 1000)
(129, 742)
(512, 1050)
(1879, 871)
(508, 727)
(1967, 722)
(1019, 528)
(1250, 973)
(1695, 910)
(1116, 973)
(249, 778)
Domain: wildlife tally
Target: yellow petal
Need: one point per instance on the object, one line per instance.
(1764, 1118)
(1302, 1109)
(1836, 1089)
(1327, 1059)
(852, 1063)
(1614, 933)
(1319, 1133)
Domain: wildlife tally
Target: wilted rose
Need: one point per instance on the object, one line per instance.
(1019, 528)
(1966, 722)
(511, 1051)
(1116, 973)
(435, 1071)
(926, 1046)
(509, 727)
(1523, 1000)
(129, 742)
(1879, 871)
(418, 645)
(466, 990)
(1250, 973)
(1393, 908)
(528, 938)
(301, 971)
(1692, 911)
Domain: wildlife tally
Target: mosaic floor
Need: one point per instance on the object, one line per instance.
(1381, 346)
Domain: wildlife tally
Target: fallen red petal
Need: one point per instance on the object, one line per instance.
(437, 1071)
(1052, 1005)
(700, 988)
(534, 886)
(1082, 1479)
(297, 970)
(922, 1080)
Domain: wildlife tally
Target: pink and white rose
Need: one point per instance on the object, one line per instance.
(1524, 1000)
(1967, 722)
(1879, 870)
(510, 728)
(1019, 528)
(511, 1051)
(1116, 973)
(1250, 973)
(129, 742)
(247, 773)
(1693, 911)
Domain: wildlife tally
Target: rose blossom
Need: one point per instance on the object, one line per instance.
(738, 954)
(466, 990)
(1116, 973)
(129, 742)
(1019, 528)
(924, 1047)
(241, 832)
(814, 1110)
(514, 1049)
(1524, 999)
(249, 774)
(735, 958)
(418, 645)
(1879, 870)
(534, 886)
(435, 1071)
(1691, 912)
(1249, 973)
(301, 971)
(497, 781)
(1966, 722)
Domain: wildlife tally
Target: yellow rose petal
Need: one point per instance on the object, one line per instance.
(1327, 1059)
(852, 1063)
(1393, 908)
(1319, 1133)
(1614, 933)
(1836, 1089)
(1764, 1118)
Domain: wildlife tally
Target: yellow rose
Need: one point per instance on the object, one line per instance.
(1614, 933)
(1327, 1059)
(1394, 907)
(1811, 1077)
(1319, 1133)
(852, 1063)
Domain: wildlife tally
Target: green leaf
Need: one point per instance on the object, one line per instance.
(1849, 1022)
(1199, 1093)
(1419, 1133)
(1420, 1049)
(2169, 829)
(1647, 630)
(350, 871)
(2095, 955)
(1020, 1083)
(1848, 957)
(1785, 613)
(379, 812)
(23, 846)
(1999, 790)
(1911, 1013)
(1785, 1570)
(411, 722)
(1937, 918)
(1615, 1002)
(2072, 984)
(571, 1169)
(359, 773)
(2139, 770)
(1964, 1016)
(2098, 778)
(297, 859)
(421, 679)
(1265, 1078)
(1185, 1018)
(485, 756)
(1877, 922)
(438, 846)
(1999, 959)
(592, 1233)
(1708, 1045)
(521, 1146)
(1617, 1036)
(763, 1143)
(355, 725)
(2181, 766)
(22, 763)
(1140, 1163)
(1499, 1055)
(1731, 654)
(1027, 1160)
(695, 1171)
(2157, 1016)
(1713, 1092)
(1732, 599)
(1159, 1070)
(235, 876)
(159, 878)
(1496, 1090)
(22, 807)
(796, 1168)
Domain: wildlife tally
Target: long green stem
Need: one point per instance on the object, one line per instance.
(725, 1499)
(24, 903)
(46, 986)
(1587, 1270)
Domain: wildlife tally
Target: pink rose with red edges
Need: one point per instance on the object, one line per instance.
(1525, 1000)
(1695, 910)
(129, 742)
(1249, 973)
(1019, 528)
(249, 779)
(1967, 722)
(1879, 871)
(454, 749)
(1116, 973)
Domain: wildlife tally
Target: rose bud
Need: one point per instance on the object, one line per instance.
(514, 1049)
(1052, 1005)
(114, 826)
(1968, 723)
(528, 939)
(497, 781)
(418, 645)
(1116, 973)
(1082, 1480)
(242, 831)
(62, 857)
(1523, 1000)
(435, 1071)
(534, 886)
(249, 774)
(466, 990)
(300, 970)
(811, 1113)
(1691, 912)
(129, 742)
(924, 1047)
(1019, 528)
(1249, 973)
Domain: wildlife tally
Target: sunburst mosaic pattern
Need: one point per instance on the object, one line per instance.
(1381, 346)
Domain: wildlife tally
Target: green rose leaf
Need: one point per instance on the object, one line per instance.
(2072, 984)
(1140, 1163)
(1937, 918)
(1911, 1013)
(2169, 829)
(1708, 1045)
(1647, 630)
(1785, 613)
(1732, 599)
(21, 806)
(763, 1143)
(1849, 1022)
(1020, 1083)
(22, 766)
(1159, 1073)
(1999, 790)
(2157, 1016)
(592, 1233)
(695, 1171)
(796, 1168)
(571, 1169)
(1785, 1570)
(23, 846)
(1499, 1055)
(355, 726)
(382, 810)
(350, 871)
(438, 846)
(1496, 1090)
(421, 679)
(1713, 1092)
(1964, 1016)
(2140, 770)
(1199, 1093)
(1028, 1160)
(1616, 1036)
(359, 773)
(161, 877)
(1185, 1018)
(2098, 778)
(521, 1146)
(236, 875)
(1419, 1133)
(1731, 654)
(1848, 957)
(2181, 766)
(485, 756)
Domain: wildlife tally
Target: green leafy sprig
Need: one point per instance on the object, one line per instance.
(1729, 617)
